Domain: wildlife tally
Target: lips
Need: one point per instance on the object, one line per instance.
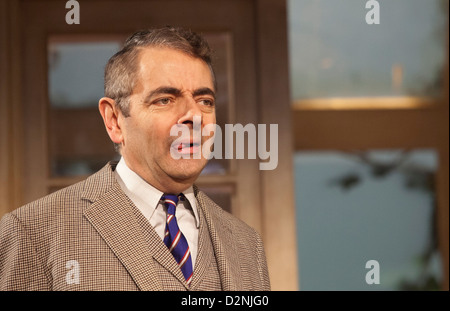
(188, 147)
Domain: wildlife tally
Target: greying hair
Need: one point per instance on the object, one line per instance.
(121, 69)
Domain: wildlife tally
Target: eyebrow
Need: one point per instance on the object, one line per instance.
(177, 92)
(163, 90)
(204, 91)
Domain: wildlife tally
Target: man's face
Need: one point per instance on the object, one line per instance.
(171, 88)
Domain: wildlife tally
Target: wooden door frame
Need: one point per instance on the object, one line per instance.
(275, 216)
(10, 108)
(277, 186)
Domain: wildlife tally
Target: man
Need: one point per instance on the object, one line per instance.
(140, 224)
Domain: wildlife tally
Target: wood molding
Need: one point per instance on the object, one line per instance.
(366, 129)
(442, 179)
(10, 108)
(4, 109)
(365, 103)
(277, 193)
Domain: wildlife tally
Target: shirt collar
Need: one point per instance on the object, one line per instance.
(144, 194)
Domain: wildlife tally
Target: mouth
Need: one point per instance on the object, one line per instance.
(188, 147)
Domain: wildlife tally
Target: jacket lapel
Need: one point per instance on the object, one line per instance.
(159, 250)
(220, 230)
(111, 214)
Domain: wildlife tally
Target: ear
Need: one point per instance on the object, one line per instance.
(111, 117)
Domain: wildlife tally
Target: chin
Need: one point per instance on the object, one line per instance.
(187, 169)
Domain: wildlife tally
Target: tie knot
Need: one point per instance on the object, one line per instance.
(171, 201)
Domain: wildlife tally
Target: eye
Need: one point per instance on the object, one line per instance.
(163, 101)
(207, 102)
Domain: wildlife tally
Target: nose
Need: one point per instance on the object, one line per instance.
(188, 109)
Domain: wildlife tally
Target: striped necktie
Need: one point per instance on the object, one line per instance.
(175, 240)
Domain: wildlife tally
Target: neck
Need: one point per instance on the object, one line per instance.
(170, 185)
(161, 181)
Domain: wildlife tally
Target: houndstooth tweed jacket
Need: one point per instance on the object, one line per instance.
(90, 236)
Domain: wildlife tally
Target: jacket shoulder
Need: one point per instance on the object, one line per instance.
(71, 199)
(51, 204)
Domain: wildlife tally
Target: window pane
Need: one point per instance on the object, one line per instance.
(335, 53)
(376, 205)
(78, 141)
(76, 72)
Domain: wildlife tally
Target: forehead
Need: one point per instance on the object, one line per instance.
(165, 66)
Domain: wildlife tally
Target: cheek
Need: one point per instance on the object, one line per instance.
(140, 134)
(209, 119)
(158, 136)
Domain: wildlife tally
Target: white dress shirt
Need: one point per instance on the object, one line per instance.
(148, 200)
